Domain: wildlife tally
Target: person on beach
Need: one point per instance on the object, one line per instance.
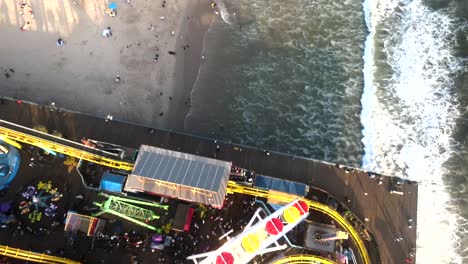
(23, 5)
(111, 12)
(26, 26)
(107, 32)
(26, 14)
(60, 42)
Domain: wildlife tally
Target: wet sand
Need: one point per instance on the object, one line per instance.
(190, 45)
(79, 75)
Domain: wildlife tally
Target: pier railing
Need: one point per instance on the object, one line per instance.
(33, 256)
(61, 145)
(80, 151)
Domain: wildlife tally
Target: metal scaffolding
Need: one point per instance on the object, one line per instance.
(127, 208)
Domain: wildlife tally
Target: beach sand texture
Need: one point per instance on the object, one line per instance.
(80, 75)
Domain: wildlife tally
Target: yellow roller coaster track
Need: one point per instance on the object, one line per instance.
(303, 259)
(235, 188)
(71, 148)
(33, 256)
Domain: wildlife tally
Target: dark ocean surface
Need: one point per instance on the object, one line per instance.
(377, 85)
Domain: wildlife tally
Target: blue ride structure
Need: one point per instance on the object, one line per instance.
(9, 164)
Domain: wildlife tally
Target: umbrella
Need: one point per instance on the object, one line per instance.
(251, 242)
(291, 214)
(274, 226)
(157, 238)
(225, 258)
(302, 207)
(112, 5)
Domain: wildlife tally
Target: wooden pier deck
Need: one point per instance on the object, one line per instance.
(387, 213)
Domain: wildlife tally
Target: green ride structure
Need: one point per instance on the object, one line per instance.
(130, 210)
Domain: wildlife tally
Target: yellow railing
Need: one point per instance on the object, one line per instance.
(61, 145)
(85, 153)
(33, 256)
(235, 188)
(303, 259)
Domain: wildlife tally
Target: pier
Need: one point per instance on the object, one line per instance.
(386, 212)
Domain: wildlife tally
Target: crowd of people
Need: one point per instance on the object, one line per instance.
(26, 15)
(208, 228)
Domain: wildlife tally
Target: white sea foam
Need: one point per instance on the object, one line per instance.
(411, 138)
(225, 15)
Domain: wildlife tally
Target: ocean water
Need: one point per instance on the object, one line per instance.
(284, 75)
(374, 84)
(410, 111)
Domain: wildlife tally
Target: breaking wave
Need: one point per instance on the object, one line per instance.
(409, 113)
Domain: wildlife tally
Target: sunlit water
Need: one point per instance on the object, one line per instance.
(369, 85)
(409, 114)
(284, 75)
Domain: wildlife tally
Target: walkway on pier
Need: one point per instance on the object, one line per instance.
(387, 213)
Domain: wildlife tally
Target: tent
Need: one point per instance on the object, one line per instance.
(87, 224)
(179, 175)
(183, 217)
(280, 185)
(112, 182)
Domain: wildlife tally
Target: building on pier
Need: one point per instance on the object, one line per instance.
(179, 175)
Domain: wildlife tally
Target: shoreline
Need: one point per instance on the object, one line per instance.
(208, 96)
(193, 33)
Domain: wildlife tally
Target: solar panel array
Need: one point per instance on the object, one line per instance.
(180, 168)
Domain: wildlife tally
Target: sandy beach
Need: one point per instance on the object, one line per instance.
(80, 75)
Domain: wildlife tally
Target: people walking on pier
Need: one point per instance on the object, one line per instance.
(26, 26)
(109, 118)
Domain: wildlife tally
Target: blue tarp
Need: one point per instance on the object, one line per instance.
(266, 182)
(112, 182)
